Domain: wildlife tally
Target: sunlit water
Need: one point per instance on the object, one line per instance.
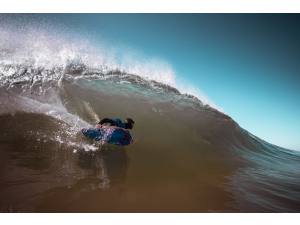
(186, 156)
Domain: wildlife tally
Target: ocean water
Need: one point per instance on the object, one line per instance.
(186, 155)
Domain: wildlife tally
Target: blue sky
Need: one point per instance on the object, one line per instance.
(247, 64)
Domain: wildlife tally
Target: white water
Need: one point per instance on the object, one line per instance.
(55, 51)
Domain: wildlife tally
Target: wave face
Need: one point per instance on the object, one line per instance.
(186, 156)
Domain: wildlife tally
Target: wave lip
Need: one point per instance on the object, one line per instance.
(37, 49)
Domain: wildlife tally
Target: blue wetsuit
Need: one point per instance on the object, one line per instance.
(113, 134)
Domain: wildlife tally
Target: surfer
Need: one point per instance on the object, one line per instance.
(112, 131)
(128, 124)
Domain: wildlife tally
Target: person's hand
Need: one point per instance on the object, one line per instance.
(98, 126)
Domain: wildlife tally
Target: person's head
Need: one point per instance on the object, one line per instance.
(129, 123)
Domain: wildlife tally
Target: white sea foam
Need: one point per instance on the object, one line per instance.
(53, 51)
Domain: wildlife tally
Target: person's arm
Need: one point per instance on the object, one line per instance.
(107, 120)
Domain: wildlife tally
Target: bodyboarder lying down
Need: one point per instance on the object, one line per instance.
(118, 122)
(112, 131)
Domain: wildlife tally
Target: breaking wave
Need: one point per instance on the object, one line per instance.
(186, 157)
